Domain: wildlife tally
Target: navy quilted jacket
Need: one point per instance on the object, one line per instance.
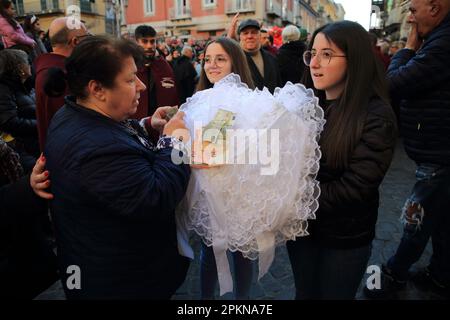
(422, 81)
(114, 206)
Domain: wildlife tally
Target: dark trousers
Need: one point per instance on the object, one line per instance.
(243, 272)
(430, 218)
(325, 273)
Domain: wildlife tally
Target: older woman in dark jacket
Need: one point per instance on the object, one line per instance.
(17, 105)
(290, 56)
(115, 193)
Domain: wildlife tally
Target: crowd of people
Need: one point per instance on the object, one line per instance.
(88, 139)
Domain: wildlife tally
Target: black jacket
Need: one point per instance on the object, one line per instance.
(27, 262)
(185, 75)
(422, 81)
(17, 110)
(272, 78)
(348, 203)
(114, 207)
(290, 61)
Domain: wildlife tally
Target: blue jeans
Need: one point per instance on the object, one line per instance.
(243, 272)
(426, 214)
(325, 273)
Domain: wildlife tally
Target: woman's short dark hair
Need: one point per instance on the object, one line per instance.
(239, 63)
(10, 62)
(98, 58)
(364, 80)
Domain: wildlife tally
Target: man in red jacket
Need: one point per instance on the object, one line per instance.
(63, 41)
(156, 74)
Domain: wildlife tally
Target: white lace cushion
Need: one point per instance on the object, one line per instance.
(236, 202)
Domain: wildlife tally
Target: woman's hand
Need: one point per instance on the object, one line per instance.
(177, 128)
(39, 179)
(159, 118)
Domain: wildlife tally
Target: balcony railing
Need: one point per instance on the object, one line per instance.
(87, 6)
(235, 6)
(274, 7)
(37, 7)
(49, 6)
(179, 13)
(288, 16)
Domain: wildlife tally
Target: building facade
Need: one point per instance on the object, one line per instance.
(396, 26)
(391, 18)
(203, 19)
(92, 12)
(328, 10)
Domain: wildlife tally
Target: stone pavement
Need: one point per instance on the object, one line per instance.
(279, 284)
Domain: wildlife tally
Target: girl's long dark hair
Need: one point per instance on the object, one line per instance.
(239, 64)
(5, 4)
(364, 80)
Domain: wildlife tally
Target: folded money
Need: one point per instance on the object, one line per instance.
(171, 113)
(217, 128)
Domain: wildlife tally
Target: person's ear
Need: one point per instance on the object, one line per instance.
(71, 42)
(96, 90)
(76, 41)
(435, 8)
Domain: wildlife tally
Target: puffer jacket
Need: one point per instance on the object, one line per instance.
(114, 207)
(14, 36)
(290, 61)
(17, 109)
(349, 199)
(421, 81)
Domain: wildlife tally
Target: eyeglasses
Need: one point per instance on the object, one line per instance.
(219, 61)
(88, 34)
(80, 37)
(324, 56)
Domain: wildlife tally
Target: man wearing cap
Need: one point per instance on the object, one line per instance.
(263, 65)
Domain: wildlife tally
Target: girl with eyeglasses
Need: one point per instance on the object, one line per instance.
(235, 207)
(223, 57)
(357, 147)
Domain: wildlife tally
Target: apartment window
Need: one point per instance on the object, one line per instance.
(49, 5)
(209, 3)
(182, 7)
(19, 6)
(85, 6)
(149, 7)
(182, 3)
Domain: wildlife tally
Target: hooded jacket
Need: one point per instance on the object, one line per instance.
(46, 106)
(161, 90)
(421, 80)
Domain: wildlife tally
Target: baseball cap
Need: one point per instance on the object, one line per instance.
(248, 23)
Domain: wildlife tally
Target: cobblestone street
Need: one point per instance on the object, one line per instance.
(279, 284)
